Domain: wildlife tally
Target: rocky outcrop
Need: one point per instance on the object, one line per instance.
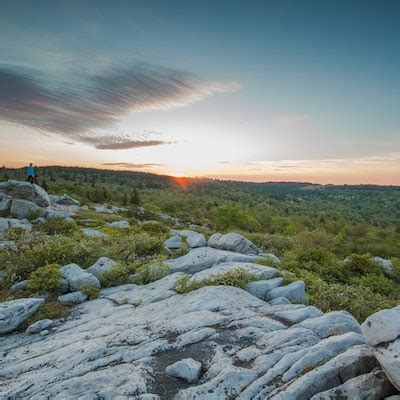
(173, 243)
(26, 191)
(14, 312)
(382, 330)
(25, 208)
(193, 238)
(76, 277)
(119, 224)
(100, 266)
(7, 223)
(386, 265)
(233, 242)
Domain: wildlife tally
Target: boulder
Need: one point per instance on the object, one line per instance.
(382, 327)
(91, 232)
(26, 191)
(67, 200)
(295, 292)
(64, 214)
(386, 265)
(188, 369)
(382, 330)
(100, 266)
(205, 257)
(14, 312)
(39, 326)
(173, 243)
(76, 277)
(5, 204)
(7, 223)
(261, 288)
(279, 301)
(20, 285)
(74, 297)
(24, 208)
(196, 240)
(234, 242)
(213, 239)
(119, 224)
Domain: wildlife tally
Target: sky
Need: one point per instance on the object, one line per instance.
(270, 90)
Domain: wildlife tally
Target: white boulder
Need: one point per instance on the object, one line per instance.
(173, 243)
(188, 369)
(76, 277)
(14, 312)
(261, 288)
(233, 242)
(196, 240)
(39, 326)
(74, 297)
(100, 266)
(23, 208)
(386, 265)
(295, 292)
(26, 191)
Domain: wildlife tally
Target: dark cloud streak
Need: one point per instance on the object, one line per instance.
(76, 108)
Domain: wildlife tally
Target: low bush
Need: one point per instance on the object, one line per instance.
(118, 275)
(150, 272)
(55, 226)
(45, 279)
(237, 277)
(90, 291)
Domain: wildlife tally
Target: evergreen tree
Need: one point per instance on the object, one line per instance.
(135, 197)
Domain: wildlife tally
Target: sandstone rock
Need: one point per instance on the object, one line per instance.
(39, 326)
(67, 200)
(373, 385)
(20, 285)
(295, 292)
(173, 243)
(332, 323)
(26, 191)
(7, 223)
(205, 257)
(74, 297)
(383, 326)
(76, 277)
(23, 208)
(119, 224)
(386, 265)
(91, 232)
(188, 369)
(100, 266)
(14, 312)
(279, 301)
(256, 270)
(234, 242)
(261, 288)
(196, 240)
(213, 239)
(5, 204)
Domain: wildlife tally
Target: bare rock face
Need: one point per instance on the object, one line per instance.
(24, 208)
(13, 313)
(26, 191)
(76, 277)
(382, 330)
(217, 342)
(233, 242)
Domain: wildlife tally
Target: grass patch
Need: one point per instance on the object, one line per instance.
(90, 291)
(237, 277)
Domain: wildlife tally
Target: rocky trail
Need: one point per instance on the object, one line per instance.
(217, 342)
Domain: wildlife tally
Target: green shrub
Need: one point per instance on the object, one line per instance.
(237, 277)
(55, 226)
(377, 283)
(272, 243)
(150, 272)
(90, 291)
(360, 264)
(118, 275)
(45, 279)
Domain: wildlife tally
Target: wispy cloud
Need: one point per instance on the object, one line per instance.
(76, 107)
(133, 165)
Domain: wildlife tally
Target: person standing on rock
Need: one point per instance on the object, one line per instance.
(31, 173)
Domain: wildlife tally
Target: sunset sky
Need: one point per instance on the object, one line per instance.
(250, 90)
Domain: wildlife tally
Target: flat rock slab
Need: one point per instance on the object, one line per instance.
(13, 313)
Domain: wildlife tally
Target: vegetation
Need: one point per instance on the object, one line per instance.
(237, 277)
(325, 235)
(90, 291)
(45, 279)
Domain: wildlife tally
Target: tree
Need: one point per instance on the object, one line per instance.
(135, 197)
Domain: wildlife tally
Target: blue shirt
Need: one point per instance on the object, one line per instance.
(31, 170)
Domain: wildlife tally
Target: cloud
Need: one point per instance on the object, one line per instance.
(133, 165)
(121, 142)
(77, 106)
